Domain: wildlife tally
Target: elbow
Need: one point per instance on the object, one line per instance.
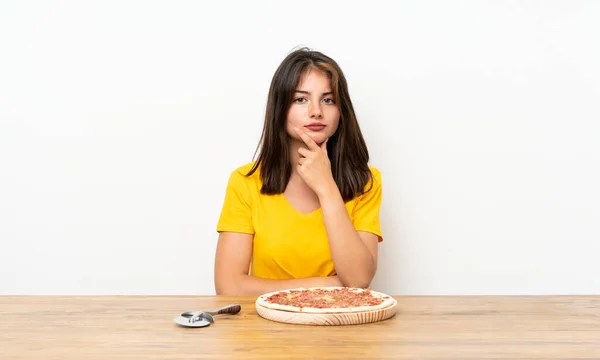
(225, 287)
(357, 282)
(362, 281)
(230, 285)
(221, 291)
(225, 291)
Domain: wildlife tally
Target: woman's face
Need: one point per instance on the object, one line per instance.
(313, 108)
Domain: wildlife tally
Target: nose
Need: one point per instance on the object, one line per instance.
(315, 110)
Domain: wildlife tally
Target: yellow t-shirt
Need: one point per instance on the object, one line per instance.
(288, 243)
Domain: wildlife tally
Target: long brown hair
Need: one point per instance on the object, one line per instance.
(347, 149)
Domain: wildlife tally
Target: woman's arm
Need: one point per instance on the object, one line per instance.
(354, 253)
(232, 262)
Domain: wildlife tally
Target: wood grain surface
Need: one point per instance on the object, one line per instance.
(428, 327)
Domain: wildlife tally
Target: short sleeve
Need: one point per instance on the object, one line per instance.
(236, 214)
(366, 211)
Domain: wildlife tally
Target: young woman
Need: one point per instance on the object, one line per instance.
(306, 212)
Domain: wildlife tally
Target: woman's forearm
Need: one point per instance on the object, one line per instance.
(353, 262)
(252, 285)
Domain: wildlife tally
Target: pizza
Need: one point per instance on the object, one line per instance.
(325, 300)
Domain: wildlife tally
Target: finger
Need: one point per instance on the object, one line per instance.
(303, 152)
(307, 140)
(324, 145)
(301, 161)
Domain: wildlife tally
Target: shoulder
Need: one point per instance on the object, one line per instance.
(245, 169)
(375, 178)
(373, 187)
(240, 175)
(375, 171)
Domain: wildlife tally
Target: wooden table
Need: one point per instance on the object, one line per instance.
(428, 327)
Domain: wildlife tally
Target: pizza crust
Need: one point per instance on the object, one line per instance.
(387, 302)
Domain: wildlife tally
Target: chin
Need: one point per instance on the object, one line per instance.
(319, 139)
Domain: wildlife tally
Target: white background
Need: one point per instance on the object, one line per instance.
(120, 122)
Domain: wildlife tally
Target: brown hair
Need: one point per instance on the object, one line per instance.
(347, 149)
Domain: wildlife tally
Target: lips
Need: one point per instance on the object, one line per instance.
(315, 127)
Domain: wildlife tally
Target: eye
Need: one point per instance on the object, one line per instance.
(299, 100)
(329, 101)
